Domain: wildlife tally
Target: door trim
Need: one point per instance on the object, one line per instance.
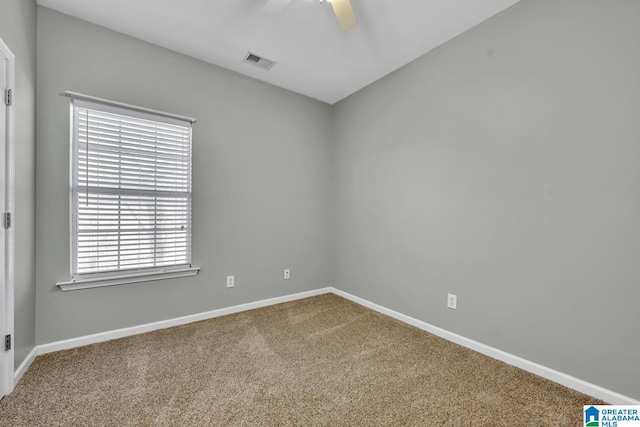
(7, 376)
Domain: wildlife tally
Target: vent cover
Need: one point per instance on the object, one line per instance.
(258, 61)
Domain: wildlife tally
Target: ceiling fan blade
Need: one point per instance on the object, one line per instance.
(344, 12)
(273, 7)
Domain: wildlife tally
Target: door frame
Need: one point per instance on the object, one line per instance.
(7, 377)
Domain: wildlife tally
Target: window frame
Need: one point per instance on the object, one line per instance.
(123, 276)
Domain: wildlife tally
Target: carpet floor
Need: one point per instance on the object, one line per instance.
(321, 361)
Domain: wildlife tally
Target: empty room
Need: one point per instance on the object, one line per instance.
(331, 213)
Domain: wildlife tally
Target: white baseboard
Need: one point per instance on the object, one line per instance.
(24, 366)
(566, 380)
(542, 371)
(163, 324)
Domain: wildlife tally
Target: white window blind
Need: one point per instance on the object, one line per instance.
(131, 190)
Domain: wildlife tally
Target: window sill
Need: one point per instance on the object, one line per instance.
(122, 279)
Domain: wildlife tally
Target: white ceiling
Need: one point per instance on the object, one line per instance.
(313, 56)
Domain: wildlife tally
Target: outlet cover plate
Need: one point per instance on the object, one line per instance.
(452, 301)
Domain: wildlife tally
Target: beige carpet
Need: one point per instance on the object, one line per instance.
(322, 361)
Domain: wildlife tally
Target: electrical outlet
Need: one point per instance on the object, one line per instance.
(287, 273)
(452, 301)
(231, 281)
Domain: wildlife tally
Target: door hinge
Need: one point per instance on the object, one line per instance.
(7, 220)
(8, 97)
(7, 342)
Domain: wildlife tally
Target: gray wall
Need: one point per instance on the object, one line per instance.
(261, 179)
(18, 31)
(504, 167)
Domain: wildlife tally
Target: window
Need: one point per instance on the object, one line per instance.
(130, 194)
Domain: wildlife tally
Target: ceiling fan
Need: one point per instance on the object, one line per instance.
(342, 8)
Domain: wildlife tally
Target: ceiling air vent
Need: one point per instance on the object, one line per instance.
(258, 61)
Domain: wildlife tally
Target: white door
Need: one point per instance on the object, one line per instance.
(6, 285)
